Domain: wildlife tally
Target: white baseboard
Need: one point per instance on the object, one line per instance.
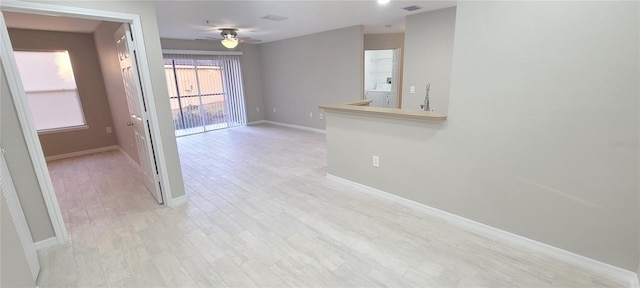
(81, 153)
(589, 264)
(46, 243)
(296, 126)
(179, 201)
(256, 122)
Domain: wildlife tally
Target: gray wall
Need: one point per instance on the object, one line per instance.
(147, 13)
(301, 73)
(91, 90)
(249, 63)
(542, 129)
(108, 56)
(428, 53)
(15, 268)
(384, 42)
(19, 163)
(565, 74)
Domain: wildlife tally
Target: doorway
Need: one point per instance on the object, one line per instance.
(72, 110)
(26, 124)
(381, 77)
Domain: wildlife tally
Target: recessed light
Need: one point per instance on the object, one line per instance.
(383, 1)
(412, 8)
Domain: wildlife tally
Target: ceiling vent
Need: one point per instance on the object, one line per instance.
(274, 18)
(412, 8)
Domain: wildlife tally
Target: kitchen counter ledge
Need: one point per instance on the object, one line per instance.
(362, 107)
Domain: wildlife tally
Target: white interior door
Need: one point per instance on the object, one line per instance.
(137, 110)
(10, 197)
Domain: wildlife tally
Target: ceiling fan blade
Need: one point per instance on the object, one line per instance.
(249, 40)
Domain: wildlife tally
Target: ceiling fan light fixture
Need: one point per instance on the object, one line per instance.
(229, 40)
(229, 43)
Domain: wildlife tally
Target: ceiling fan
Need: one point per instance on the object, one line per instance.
(230, 38)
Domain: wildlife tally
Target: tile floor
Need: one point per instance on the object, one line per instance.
(262, 213)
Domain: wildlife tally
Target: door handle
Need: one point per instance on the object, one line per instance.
(129, 123)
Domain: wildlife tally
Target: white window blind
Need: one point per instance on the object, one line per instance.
(51, 91)
(205, 92)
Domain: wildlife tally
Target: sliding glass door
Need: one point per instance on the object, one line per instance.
(205, 92)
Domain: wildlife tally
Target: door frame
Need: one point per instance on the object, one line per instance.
(23, 110)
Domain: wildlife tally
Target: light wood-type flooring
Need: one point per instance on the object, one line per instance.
(261, 212)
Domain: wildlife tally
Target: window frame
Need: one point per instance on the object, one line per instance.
(64, 129)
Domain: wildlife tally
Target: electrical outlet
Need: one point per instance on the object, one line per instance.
(310, 114)
(274, 109)
(321, 116)
(257, 109)
(109, 130)
(376, 161)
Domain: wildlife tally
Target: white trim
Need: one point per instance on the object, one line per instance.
(10, 197)
(144, 71)
(46, 243)
(81, 153)
(63, 130)
(29, 131)
(200, 52)
(256, 122)
(296, 126)
(635, 282)
(589, 264)
(67, 11)
(179, 200)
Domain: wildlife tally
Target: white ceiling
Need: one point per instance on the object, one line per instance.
(182, 19)
(187, 19)
(49, 23)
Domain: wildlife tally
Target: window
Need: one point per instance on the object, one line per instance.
(205, 92)
(51, 90)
